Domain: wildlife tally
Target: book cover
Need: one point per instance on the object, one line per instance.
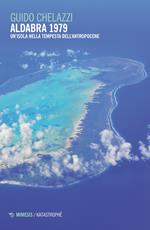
(74, 115)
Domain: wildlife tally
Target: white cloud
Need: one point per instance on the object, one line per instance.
(63, 66)
(59, 154)
(53, 54)
(71, 52)
(115, 152)
(75, 53)
(76, 163)
(38, 145)
(145, 150)
(25, 66)
(48, 67)
(56, 168)
(25, 130)
(38, 117)
(16, 149)
(42, 54)
(30, 53)
(43, 66)
(44, 169)
(75, 60)
(124, 151)
(51, 66)
(94, 146)
(73, 162)
(85, 53)
(6, 135)
(106, 137)
(40, 134)
(111, 155)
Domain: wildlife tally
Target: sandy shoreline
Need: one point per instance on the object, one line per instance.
(78, 124)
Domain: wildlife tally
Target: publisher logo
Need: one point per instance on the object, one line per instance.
(11, 214)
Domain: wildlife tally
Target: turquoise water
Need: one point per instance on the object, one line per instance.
(51, 106)
(51, 122)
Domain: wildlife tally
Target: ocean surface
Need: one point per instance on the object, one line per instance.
(118, 199)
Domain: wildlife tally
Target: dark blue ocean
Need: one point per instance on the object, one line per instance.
(119, 199)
